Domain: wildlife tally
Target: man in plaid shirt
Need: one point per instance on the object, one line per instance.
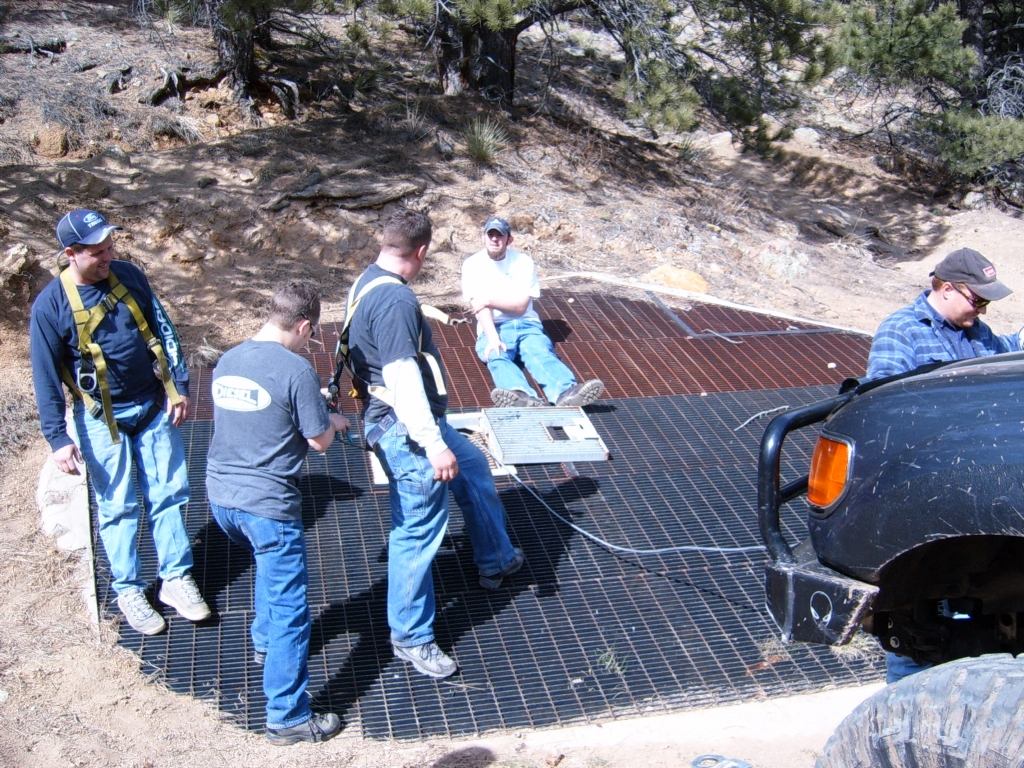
(943, 324)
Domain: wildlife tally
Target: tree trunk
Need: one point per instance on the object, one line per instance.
(236, 52)
(449, 55)
(972, 12)
(492, 67)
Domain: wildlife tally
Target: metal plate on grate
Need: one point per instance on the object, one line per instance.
(542, 435)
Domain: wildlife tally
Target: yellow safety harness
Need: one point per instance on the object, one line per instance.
(342, 354)
(86, 322)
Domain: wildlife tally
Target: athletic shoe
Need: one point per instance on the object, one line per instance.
(317, 728)
(579, 395)
(428, 659)
(494, 582)
(140, 613)
(182, 595)
(515, 398)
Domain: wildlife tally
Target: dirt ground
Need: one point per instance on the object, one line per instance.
(823, 233)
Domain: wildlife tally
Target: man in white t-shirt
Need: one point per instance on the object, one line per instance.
(500, 285)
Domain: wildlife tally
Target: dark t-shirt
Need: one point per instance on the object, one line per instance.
(387, 326)
(130, 375)
(267, 401)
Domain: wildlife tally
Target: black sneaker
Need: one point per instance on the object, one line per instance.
(428, 659)
(494, 582)
(317, 728)
(579, 395)
(515, 398)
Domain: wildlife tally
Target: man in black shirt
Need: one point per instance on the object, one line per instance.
(398, 367)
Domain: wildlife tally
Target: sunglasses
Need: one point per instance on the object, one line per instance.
(976, 301)
(314, 329)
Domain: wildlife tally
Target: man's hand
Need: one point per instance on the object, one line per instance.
(67, 459)
(446, 466)
(494, 347)
(340, 424)
(478, 305)
(179, 412)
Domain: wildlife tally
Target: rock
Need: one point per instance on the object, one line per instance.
(677, 277)
(807, 135)
(502, 200)
(246, 176)
(774, 126)
(444, 146)
(16, 261)
(975, 200)
(781, 261)
(205, 181)
(83, 183)
(522, 223)
(52, 141)
(112, 157)
(214, 120)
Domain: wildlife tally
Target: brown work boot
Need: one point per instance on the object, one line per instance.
(579, 395)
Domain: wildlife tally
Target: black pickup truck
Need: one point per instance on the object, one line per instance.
(915, 534)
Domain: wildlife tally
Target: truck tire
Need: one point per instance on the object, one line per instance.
(962, 714)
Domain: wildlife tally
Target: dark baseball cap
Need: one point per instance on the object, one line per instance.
(83, 226)
(969, 267)
(499, 224)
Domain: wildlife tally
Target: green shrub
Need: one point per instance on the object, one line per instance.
(974, 144)
(485, 140)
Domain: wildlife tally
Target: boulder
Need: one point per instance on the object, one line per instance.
(83, 183)
(52, 141)
(677, 277)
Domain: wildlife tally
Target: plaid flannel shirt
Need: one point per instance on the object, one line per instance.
(918, 335)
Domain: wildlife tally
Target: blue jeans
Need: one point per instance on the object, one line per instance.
(419, 520)
(159, 459)
(282, 624)
(897, 667)
(526, 343)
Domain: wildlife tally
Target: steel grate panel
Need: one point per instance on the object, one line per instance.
(580, 634)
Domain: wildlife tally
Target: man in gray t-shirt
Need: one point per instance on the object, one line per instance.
(268, 413)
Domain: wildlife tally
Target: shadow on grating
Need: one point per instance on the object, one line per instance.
(579, 634)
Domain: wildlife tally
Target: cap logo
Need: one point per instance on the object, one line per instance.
(92, 218)
(989, 271)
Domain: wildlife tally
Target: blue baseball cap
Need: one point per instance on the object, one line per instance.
(499, 224)
(83, 226)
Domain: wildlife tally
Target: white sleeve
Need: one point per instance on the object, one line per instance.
(533, 288)
(403, 378)
(470, 278)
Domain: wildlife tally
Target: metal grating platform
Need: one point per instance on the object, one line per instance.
(580, 633)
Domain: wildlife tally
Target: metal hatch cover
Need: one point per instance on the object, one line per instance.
(542, 435)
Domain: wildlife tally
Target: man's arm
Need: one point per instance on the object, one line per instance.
(891, 353)
(323, 441)
(168, 336)
(46, 351)
(494, 344)
(512, 296)
(405, 382)
(514, 304)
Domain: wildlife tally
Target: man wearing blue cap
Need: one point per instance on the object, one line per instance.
(500, 285)
(99, 329)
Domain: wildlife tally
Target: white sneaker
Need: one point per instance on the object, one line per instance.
(140, 613)
(428, 659)
(182, 595)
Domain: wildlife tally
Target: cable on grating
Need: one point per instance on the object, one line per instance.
(616, 547)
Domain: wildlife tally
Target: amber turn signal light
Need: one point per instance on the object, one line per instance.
(829, 468)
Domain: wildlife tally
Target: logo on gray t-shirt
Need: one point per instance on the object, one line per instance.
(237, 393)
